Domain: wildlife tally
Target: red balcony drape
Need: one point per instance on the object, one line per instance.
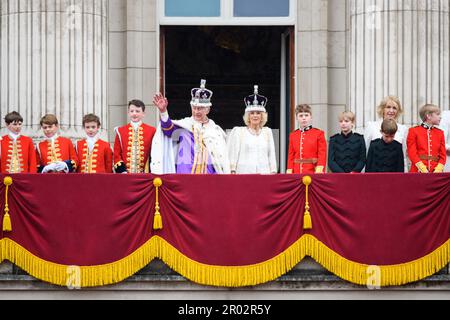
(228, 230)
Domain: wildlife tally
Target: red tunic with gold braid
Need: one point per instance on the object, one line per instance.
(99, 160)
(132, 148)
(18, 156)
(426, 148)
(61, 150)
(307, 151)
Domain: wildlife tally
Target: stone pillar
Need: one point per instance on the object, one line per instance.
(133, 49)
(400, 48)
(53, 59)
(322, 62)
(312, 48)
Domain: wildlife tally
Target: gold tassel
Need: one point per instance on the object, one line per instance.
(7, 222)
(307, 221)
(7, 226)
(157, 219)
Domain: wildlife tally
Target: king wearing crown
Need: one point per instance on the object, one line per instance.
(193, 145)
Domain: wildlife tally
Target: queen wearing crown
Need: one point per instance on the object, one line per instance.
(193, 145)
(251, 149)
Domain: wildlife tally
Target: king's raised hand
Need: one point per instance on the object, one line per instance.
(160, 102)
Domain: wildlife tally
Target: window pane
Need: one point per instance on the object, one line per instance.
(261, 8)
(192, 8)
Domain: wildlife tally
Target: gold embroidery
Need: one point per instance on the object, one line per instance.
(200, 164)
(89, 161)
(14, 164)
(168, 129)
(135, 151)
(53, 151)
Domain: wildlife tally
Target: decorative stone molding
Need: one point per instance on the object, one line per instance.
(54, 60)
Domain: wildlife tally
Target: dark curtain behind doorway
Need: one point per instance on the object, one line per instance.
(232, 60)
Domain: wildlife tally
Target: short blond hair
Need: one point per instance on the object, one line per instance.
(263, 122)
(428, 109)
(303, 108)
(347, 114)
(384, 102)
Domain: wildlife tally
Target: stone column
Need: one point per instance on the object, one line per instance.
(53, 59)
(312, 48)
(322, 63)
(400, 48)
(133, 49)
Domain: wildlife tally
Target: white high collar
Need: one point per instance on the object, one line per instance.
(136, 125)
(13, 135)
(91, 141)
(53, 138)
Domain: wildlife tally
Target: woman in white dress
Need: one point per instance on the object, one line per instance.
(389, 108)
(252, 148)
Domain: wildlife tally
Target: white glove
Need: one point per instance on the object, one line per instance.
(61, 166)
(50, 167)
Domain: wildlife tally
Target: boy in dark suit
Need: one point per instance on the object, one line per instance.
(386, 154)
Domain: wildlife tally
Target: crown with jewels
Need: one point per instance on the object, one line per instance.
(201, 97)
(255, 102)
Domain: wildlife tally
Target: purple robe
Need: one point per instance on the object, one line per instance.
(186, 149)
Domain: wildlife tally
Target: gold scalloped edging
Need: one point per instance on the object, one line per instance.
(228, 276)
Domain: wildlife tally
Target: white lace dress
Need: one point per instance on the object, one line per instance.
(252, 153)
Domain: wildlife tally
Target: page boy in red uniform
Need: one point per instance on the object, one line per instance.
(55, 153)
(94, 154)
(17, 151)
(307, 145)
(133, 142)
(426, 143)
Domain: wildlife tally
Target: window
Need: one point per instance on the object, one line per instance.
(227, 12)
(261, 8)
(192, 8)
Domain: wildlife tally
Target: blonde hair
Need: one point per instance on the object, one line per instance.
(303, 108)
(428, 109)
(347, 114)
(264, 118)
(384, 102)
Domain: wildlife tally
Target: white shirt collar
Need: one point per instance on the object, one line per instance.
(136, 125)
(91, 141)
(52, 139)
(13, 135)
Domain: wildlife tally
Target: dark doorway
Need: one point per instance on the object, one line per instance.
(231, 59)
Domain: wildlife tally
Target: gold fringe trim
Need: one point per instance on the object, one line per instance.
(228, 276)
(388, 275)
(77, 276)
